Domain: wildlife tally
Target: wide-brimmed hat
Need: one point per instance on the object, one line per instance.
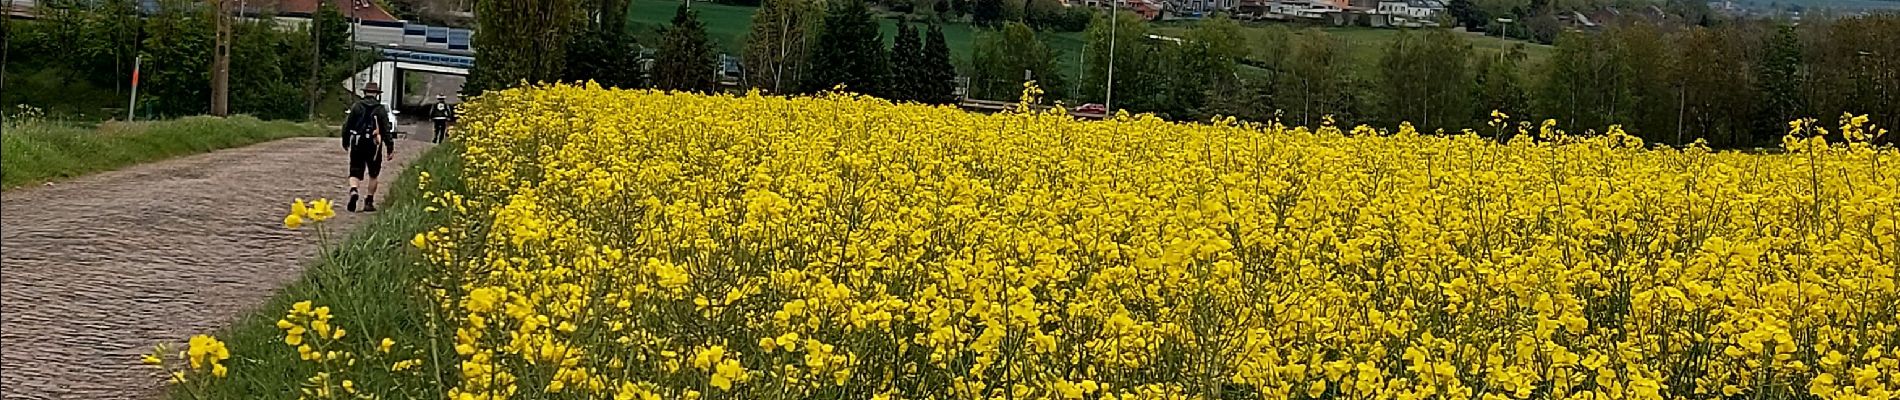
(372, 87)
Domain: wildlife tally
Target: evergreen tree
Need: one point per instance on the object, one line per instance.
(849, 51)
(1499, 86)
(333, 28)
(936, 77)
(987, 13)
(906, 57)
(776, 47)
(610, 58)
(1778, 76)
(604, 52)
(685, 60)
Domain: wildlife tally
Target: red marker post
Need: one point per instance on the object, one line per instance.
(132, 106)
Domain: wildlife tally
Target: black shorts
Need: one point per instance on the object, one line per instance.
(365, 159)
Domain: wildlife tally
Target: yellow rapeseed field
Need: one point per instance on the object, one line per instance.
(643, 245)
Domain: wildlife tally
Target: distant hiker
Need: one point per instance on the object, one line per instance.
(441, 113)
(367, 136)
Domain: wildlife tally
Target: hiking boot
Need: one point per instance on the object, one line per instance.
(369, 204)
(352, 205)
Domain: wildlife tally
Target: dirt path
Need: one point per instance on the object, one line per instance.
(96, 270)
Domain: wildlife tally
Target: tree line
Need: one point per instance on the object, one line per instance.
(794, 46)
(278, 75)
(1735, 83)
(1732, 82)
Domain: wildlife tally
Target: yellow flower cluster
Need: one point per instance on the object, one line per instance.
(307, 328)
(640, 245)
(204, 351)
(203, 354)
(317, 211)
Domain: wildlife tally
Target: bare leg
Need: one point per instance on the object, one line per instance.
(370, 186)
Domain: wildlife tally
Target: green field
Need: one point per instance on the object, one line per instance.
(728, 25)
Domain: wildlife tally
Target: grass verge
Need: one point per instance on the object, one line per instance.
(36, 152)
(372, 285)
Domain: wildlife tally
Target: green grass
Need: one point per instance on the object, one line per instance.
(725, 24)
(36, 152)
(371, 282)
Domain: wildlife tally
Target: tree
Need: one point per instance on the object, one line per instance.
(776, 46)
(1044, 14)
(1000, 59)
(610, 58)
(1137, 82)
(604, 51)
(936, 77)
(606, 15)
(1713, 96)
(1316, 85)
(1204, 61)
(1778, 78)
(1499, 84)
(1427, 81)
(1467, 14)
(1643, 101)
(521, 40)
(329, 23)
(987, 13)
(685, 60)
(849, 51)
(1854, 66)
(906, 64)
(177, 43)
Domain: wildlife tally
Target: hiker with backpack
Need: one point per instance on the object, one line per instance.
(441, 113)
(368, 137)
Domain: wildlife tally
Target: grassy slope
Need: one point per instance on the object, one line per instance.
(371, 286)
(42, 151)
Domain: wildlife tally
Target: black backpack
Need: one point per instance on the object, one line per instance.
(361, 124)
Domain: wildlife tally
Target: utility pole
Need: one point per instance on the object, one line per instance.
(221, 62)
(354, 4)
(316, 51)
(1114, 11)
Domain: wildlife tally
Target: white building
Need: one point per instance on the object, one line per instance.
(1414, 9)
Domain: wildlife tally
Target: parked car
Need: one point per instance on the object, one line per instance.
(1093, 108)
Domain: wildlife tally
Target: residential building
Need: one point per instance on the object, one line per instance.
(1412, 9)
